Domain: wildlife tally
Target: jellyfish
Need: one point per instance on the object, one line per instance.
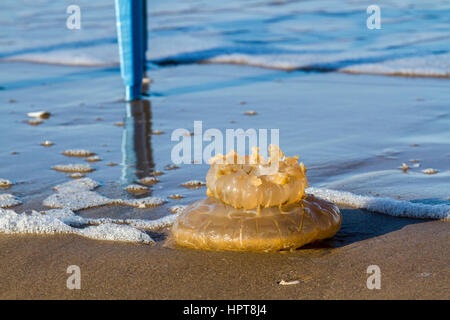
(254, 204)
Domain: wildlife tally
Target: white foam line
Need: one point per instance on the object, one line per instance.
(49, 223)
(396, 208)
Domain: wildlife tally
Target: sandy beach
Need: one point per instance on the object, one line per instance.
(365, 110)
(412, 255)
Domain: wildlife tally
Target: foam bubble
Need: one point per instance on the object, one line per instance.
(93, 159)
(77, 153)
(177, 209)
(8, 200)
(136, 188)
(430, 171)
(85, 184)
(148, 180)
(73, 168)
(193, 184)
(396, 208)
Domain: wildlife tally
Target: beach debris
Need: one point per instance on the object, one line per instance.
(119, 124)
(136, 188)
(404, 167)
(176, 196)
(289, 283)
(157, 132)
(8, 200)
(39, 114)
(112, 164)
(77, 153)
(76, 175)
(47, 143)
(157, 173)
(171, 167)
(250, 113)
(193, 184)
(148, 181)
(93, 159)
(424, 275)
(4, 183)
(83, 168)
(34, 122)
(430, 171)
(178, 209)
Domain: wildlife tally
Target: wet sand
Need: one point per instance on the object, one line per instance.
(412, 255)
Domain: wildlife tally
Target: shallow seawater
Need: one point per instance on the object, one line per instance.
(353, 132)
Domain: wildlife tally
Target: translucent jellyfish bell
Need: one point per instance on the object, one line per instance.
(254, 208)
(211, 224)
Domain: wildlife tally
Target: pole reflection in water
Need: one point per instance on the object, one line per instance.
(137, 159)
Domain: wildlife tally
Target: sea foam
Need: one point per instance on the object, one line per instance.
(396, 208)
(78, 194)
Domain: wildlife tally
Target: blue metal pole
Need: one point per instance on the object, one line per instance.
(131, 32)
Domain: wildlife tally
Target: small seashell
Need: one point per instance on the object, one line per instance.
(39, 114)
(289, 283)
(193, 184)
(8, 200)
(5, 183)
(47, 143)
(404, 167)
(73, 168)
(148, 181)
(430, 171)
(35, 122)
(135, 188)
(93, 159)
(175, 196)
(77, 153)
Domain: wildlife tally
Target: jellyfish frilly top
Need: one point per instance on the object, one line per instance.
(256, 205)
